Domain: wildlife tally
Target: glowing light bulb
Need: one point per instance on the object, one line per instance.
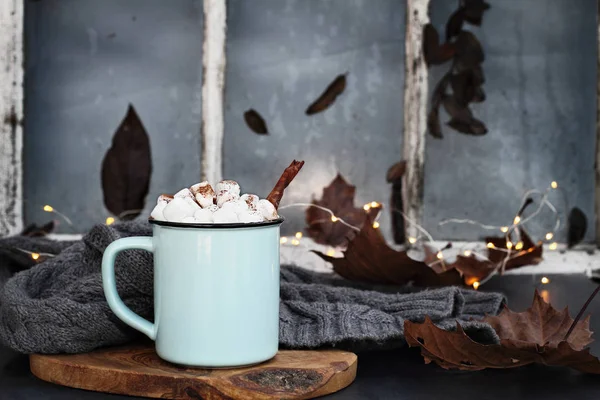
(519, 246)
(283, 240)
(545, 280)
(490, 245)
(509, 245)
(467, 253)
(439, 255)
(553, 246)
(35, 256)
(330, 252)
(48, 208)
(549, 235)
(475, 285)
(554, 185)
(298, 235)
(374, 204)
(110, 221)
(334, 218)
(504, 229)
(375, 224)
(366, 207)
(412, 240)
(517, 220)
(295, 242)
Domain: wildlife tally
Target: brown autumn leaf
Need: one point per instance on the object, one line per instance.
(473, 269)
(533, 336)
(457, 111)
(396, 172)
(127, 167)
(328, 97)
(32, 230)
(368, 258)
(529, 254)
(255, 122)
(577, 226)
(284, 181)
(471, 127)
(394, 176)
(478, 95)
(433, 52)
(455, 24)
(469, 52)
(474, 10)
(433, 124)
(338, 196)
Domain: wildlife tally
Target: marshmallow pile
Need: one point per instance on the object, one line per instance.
(200, 204)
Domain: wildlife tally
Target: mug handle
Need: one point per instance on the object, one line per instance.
(110, 286)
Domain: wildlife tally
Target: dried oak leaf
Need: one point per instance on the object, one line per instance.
(577, 226)
(433, 52)
(533, 336)
(127, 167)
(368, 258)
(338, 196)
(327, 98)
(255, 122)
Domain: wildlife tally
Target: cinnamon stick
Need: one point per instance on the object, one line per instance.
(286, 178)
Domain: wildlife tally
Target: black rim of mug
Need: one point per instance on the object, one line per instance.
(277, 221)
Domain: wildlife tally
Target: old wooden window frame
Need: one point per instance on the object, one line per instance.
(212, 128)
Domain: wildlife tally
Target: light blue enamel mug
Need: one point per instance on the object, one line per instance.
(216, 292)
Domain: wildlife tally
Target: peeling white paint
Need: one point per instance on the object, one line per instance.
(415, 106)
(11, 117)
(213, 89)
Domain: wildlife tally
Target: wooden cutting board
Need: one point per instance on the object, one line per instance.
(136, 370)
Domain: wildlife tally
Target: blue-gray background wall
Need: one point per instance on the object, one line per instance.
(86, 60)
(540, 110)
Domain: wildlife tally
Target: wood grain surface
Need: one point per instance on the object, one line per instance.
(136, 370)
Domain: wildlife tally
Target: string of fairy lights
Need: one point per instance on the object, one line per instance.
(512, 250)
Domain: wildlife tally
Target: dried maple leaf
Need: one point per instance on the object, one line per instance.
(368, 258)
(530, 254)
(533, 336)
(338, 196)
(473, 269)
(541, 324)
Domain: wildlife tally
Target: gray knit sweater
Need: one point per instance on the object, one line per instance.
(58, 305)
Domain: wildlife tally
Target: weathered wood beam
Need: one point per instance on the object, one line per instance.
(415, 114)
(11, 114)
(213, 89)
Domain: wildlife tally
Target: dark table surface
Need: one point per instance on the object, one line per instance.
(401, 374)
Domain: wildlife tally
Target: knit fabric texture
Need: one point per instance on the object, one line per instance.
(58, 305)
